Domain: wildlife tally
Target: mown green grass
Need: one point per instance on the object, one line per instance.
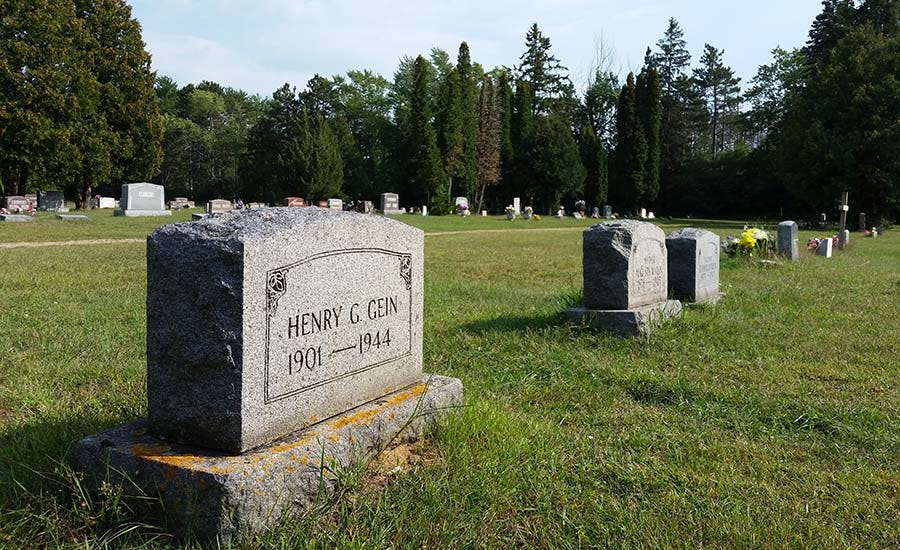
(770, 420)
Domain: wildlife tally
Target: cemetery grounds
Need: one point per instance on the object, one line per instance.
(770, 420)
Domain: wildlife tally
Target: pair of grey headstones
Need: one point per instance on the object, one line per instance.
(631, 268)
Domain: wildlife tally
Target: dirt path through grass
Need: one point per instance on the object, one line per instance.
(121, 241)
(69, 243)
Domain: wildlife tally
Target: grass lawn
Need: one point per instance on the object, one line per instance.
(770, 420)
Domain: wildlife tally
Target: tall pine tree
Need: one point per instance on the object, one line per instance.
(631, 149)
(551, 89)
(468, 109)
(647, 97)
(427, 179)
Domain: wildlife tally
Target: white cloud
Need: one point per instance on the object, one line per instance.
(190, 59)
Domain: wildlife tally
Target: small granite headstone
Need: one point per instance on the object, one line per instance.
(462, 201)
(142, 199)
(845, 238)
(862, 221)
(106, 202)
(517, 205)
(277, 338)
(424, 210)
(336, 204)
(607, 211)
(390, 203)
(51, 201)
(72, 217)
(625, 279)
(322, 204)
(16, 204)
(643, 213)
(788, 240)
(826, 247)
(219, 205)
(365, 207)
(595, 212)
(693, 257)
(295, 202)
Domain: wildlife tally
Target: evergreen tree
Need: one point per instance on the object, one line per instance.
(449, 127)
(507, 155)
(520, 130)
(835, 20)
(593, 157)
(467, 177)
(550, 86)
(488, 139)
(427, 179)
(721, 90)
(325, 172)
(673, 62)
(631, 149)
(647, 97)
(556, 170)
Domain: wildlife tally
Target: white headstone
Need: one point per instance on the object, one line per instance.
(517, 205)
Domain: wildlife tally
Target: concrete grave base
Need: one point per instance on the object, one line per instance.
(230, 498)
(709, 300)
(71, 217)
(627, 323)
(16, 218)
(142, 213)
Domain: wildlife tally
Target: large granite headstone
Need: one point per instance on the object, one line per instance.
(693, 258)
(625, 279)
(390, 203)
(142, 199)
(517, 205)
(51, 201)
(788, 240)
(274, 338)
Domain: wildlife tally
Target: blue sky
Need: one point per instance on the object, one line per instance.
(259, 45)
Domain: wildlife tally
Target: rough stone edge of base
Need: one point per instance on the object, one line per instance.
(627, 323)
(213, 496)
(708, 301)
(141, 213)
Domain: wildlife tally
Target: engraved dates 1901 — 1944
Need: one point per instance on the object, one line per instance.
(362, 323)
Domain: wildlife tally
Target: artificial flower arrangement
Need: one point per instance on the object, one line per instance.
(872, 232)
(510, 213)
(463, 209)
(752, 240)
(528, 213)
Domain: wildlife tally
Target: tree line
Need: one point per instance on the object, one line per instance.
(679, 137)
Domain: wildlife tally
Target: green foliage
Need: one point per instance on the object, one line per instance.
(507, 152)
(554, 161)
(594, 160)
(77, 105)
(551, 89)
(647, 102)
(631, 149)
(467, 177)
(841, 132)
(721, 92)
(427, 180)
